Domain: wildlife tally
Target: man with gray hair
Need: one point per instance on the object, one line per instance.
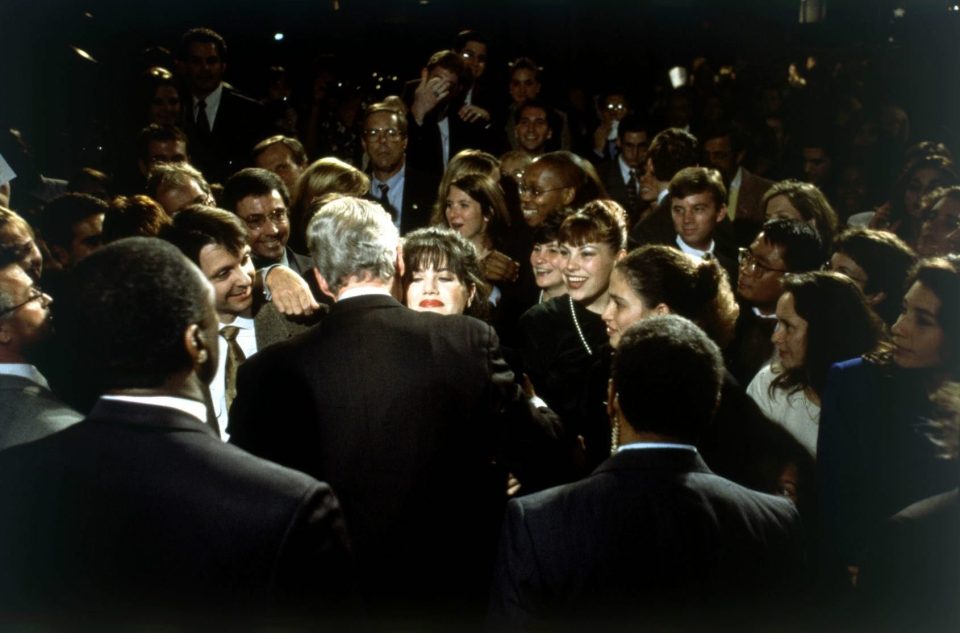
(413, 417)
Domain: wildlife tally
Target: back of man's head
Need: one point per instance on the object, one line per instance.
(800, 244)
(252, 181)
(670, 151)
(130, 304)
(667, 374)
(197, 226)
(352, 237)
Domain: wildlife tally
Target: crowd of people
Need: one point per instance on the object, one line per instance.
(460, 355)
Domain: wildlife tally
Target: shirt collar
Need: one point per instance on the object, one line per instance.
(689, 250)
(192, 408)
(663, 194)
(212, 100)
(24, 370)
(244, 323)
(645, 445)
(625, 169)
(392, 181)
(737, 179)
(756, 311)
(362, 291)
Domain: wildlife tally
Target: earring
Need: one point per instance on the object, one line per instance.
(614, 433)
(202, 356)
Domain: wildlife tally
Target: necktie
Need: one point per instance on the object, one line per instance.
(633, 196)
(203, 123)
(235, 356)
(385, 201)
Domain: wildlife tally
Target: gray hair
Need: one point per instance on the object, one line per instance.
(167, 175)
(352, 237)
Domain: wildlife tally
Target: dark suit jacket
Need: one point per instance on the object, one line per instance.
(29, 411)
(749, 217)
(303, 266)
(419, 194)
(142, 508)
(651, 536)
(609, 171)
(240, 124)
(413, 418)
(425, 149)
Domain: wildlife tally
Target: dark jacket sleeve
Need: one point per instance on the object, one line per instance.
(515, 598)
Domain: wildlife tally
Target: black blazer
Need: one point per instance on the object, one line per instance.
(240, 124)
(651, 536)
(419, 195)
(141, 507)
(413, 417)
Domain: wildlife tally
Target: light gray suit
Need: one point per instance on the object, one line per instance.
(29, 411)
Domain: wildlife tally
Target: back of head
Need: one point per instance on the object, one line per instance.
(667, 374)
(133, 216)
(696, 289)
(329, 175)
(129, 305)
(886, 259)
(840, 325)
(59, 216)
(252, 181)
(670, 151)
(197, 226)
(352, 237)
(800, 243)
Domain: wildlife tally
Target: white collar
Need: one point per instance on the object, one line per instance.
(695, 252)
(244, 323)
(756, 311)
(212, 100)
(24, 370)
(625, 169)
(362, 291)
(737, 179)
(663, 194)
(192, 408)
(642, 445)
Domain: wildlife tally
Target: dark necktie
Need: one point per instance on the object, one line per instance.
(203, 123)
(385, 201)
(633, 196)
(235, 356)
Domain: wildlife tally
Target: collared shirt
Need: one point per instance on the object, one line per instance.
(643, 445)
(444, 125)
(24, 370)
(756, 311)
(734, 194)
(247, 338)
(395, 191)
(689, 250)
(362, 291)
(663, 194)
(192, 408)
(625, 170)
(212, 102)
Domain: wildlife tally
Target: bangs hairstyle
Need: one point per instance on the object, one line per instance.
(439, 247)
(599, 222)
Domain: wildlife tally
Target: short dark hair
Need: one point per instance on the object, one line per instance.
(374, 108)
(252, 181)
(800, 243)
(667, 374)
(468, 35)
(886, 259)
(671, 150)
(840, 326)
(454, 63)
(549, 230)
(725, 129)
(532, 103)
(59, 216)
(201, 35)
(129, 305)
(158, 132)
(292, 144)
(197, 226)
(693, 180)
(133, 216)
(632, 123)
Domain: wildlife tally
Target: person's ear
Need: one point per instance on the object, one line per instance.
(620, 254)
(322, 284)
(196, 344)
(661, 309)
(472, 295)
(6, 333)
(401, 267)
(722, 213)
(569, 193)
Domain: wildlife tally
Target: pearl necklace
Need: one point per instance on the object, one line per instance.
(576, 324)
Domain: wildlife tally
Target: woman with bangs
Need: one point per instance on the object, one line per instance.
(561, 339)
(442, 274)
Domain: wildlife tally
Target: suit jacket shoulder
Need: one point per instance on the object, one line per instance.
(29, 411)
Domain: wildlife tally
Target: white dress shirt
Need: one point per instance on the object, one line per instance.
(247, 338)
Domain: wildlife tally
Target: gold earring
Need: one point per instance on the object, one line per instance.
(614, 433)
(202, 356)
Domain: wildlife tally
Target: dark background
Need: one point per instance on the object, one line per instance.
(62, 103)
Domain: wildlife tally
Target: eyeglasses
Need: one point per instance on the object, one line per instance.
(279, 216)
(533, 192)
(619, 107)
(749, 264)
(390, 134)
(35, 294)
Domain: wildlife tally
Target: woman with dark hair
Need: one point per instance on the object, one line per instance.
(161, 97)
(878, 262)
(563, 337)
(795, 200)
(546, 259)
(940, 223)
(442, 273)
(741, 443)
(822, 318)
(872, 456)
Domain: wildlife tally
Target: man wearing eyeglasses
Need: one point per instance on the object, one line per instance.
(28, 409)
(783, 246)
(404, 191)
